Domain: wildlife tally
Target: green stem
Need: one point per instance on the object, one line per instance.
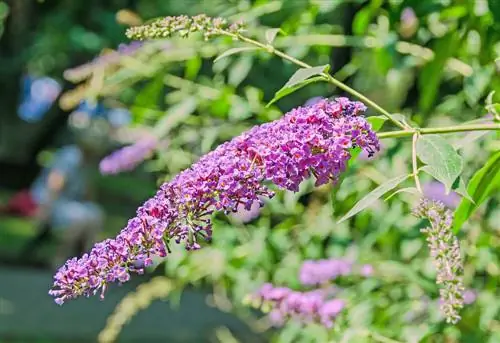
(414, 162)
(329, 78)
(435, 130)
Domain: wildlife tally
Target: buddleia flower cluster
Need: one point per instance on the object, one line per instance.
(183, 26)
(445, 252)
(320, 305)
(129, 157)
(307, 141)
(283, 303)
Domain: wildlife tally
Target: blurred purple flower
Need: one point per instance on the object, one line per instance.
(470, 296)
(316, 272)
(311, 306)
(307, 141)
(436, 191)
(129, 157)
(243, 215)
(367, 270)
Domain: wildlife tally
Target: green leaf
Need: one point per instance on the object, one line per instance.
(305, 73)
(235, 51)
(299, 79)
(271, 35)
(484, 182)
(460, 188)
(411, 190)
(442, 160)
(376, 122)
(289, 90)
(371, 197)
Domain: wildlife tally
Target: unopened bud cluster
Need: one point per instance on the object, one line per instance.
(183, 26)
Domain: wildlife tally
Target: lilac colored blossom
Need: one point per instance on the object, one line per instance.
(437, 191)
(445, 252)
(470, 296)
(367, 270)
(243, 215)
(322, 271)
(317, 272)
(312, 306)
(129, 157)
(307, 141)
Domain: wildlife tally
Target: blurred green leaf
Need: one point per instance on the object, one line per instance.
(371, 197)
(484, 182)
(364, 16)
(175, 114)
(442, 160)
(239, 71)
(432, 73)
(193, 66)
(271, 35)
(146, 104)
(475, 85)
(234, 51)
(494, 6)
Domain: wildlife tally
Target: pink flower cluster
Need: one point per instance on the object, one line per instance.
(314, 140)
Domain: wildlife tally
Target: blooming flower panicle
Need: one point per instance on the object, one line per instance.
(307, 141)
(129, 157)
(445, 252)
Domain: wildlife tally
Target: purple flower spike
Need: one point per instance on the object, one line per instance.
(307, 141)
(129, 157)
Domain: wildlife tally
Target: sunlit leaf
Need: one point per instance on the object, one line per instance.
(484, 182)
(376, 122)
(305, 73)
(288, 90)
(235, 51)
(371, 197)
(443, 162)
